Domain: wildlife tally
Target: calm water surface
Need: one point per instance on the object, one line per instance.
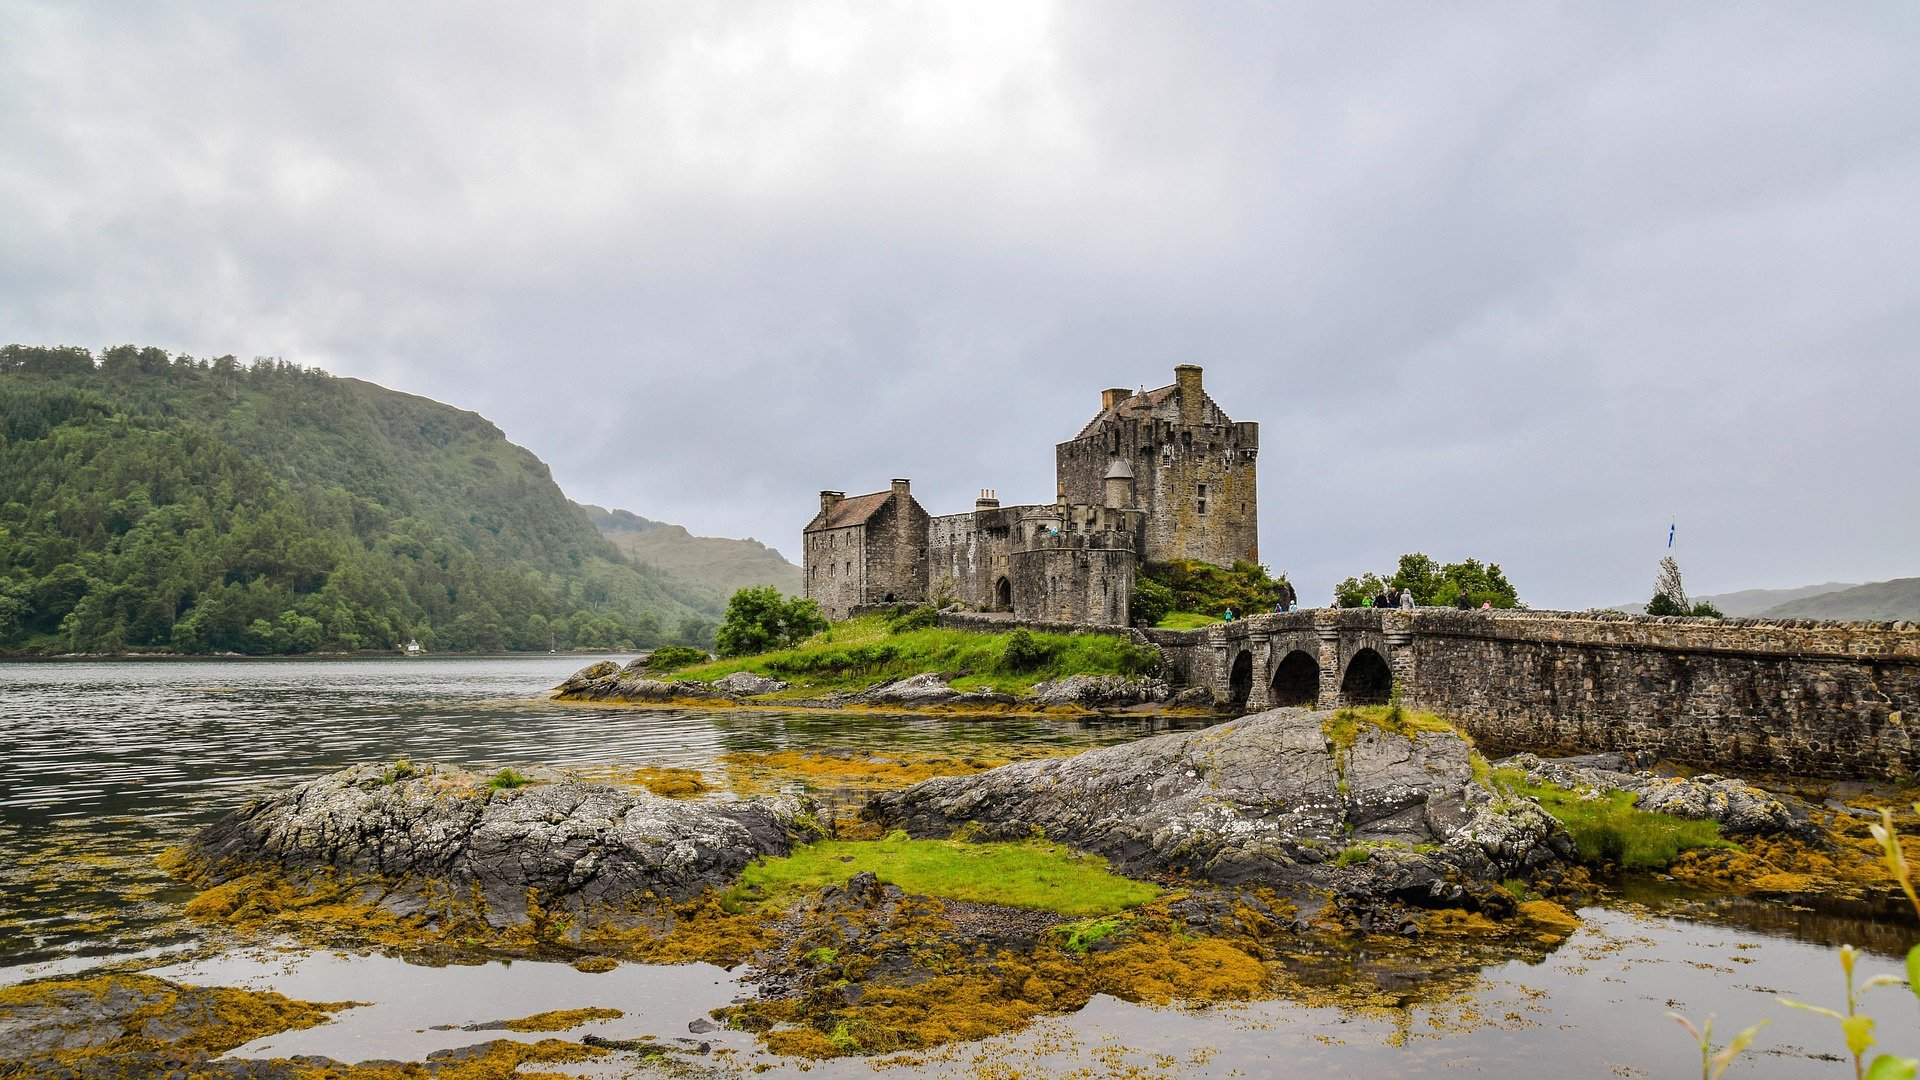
(108, 763)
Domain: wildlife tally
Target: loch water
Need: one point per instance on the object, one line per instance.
(108, 763)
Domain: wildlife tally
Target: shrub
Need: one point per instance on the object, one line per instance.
(920, 618)
(1026, 652)
(508, 779)
(1151, 601)
(673, 657)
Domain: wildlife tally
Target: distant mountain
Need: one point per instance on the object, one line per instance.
(1880, 601)
(1748, 603)
(161, 503)
(716, 564)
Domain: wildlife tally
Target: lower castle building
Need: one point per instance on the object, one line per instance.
(1156, 475)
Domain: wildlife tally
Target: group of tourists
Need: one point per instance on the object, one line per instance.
(1390, 597)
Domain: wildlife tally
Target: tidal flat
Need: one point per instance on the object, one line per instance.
(114, 763)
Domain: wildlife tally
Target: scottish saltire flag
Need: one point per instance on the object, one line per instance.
(1670, 528)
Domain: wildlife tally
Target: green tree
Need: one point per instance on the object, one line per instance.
(759, 620)
(1244, 588)
(1434, 584)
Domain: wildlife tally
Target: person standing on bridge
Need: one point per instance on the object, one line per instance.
(1406, 599)
(1463, 601)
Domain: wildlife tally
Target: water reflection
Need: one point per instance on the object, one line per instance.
(110, 762)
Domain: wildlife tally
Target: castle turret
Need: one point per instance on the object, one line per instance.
(1119, 483)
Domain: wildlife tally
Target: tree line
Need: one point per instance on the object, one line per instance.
(152, 502)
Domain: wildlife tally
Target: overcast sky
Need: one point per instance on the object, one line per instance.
(1520, 282)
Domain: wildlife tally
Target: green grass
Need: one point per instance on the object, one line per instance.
(508, 779)
(1344, 727)
(1032, 874)
(865, 652)
(1185, 620)
(1078, 937)
(1612, 830)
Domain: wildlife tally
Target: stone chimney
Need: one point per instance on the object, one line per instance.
(988, 500)
(1110, 398)
(902, 489)
(1193, 400)
(830, 499)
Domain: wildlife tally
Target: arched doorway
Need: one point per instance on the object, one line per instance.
(1297, 680)
(1240, 680)
(1003, 595)
(1369, 681)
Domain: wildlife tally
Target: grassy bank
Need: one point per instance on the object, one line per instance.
(1612, 830)
(866, 652)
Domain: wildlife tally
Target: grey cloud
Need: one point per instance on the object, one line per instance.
(1512, 281)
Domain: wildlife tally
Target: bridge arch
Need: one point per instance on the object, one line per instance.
(1368, 679)
(1240, 679)
(1296, 681)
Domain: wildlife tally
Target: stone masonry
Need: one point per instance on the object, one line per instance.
(1154, 476)
(1737, 695)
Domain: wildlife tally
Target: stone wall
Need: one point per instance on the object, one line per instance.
(1736, 695)
(1194, 474)
(836, 568)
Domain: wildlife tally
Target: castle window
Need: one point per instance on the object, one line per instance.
(1203, 498)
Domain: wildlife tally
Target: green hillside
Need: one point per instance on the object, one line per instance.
(149, 502)
(1879, 601)
(717, 564)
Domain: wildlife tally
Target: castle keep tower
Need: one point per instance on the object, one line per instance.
(1192, 470)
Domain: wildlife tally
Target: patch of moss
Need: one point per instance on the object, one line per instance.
(1185, 620)
(1035, 874)
(125, 1018)
(1344, 727)
(959, 990)
(865, 770)
(509, 778)
(561, 1019)
(669, 782)
(1609, 829)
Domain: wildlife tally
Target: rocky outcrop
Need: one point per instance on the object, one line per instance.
(1273, 798)
(927, 688)
(1102, 692)
(1740, 808)
(747, 684)
(591, 849)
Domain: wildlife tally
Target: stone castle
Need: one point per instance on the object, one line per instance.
(1155, 476)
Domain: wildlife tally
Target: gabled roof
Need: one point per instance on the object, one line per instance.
(1139, 405)
(852, 511)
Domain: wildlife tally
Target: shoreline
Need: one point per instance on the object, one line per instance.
(966, 708)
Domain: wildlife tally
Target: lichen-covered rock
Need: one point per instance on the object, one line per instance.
(1740, 808)
(926, 688)
(589, 676)
(607, 681)
(1268, 799)
(1101, 691)
(592, 849)
(747, 684)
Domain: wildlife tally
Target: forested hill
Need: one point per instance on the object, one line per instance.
(721, 565)
(150, 502)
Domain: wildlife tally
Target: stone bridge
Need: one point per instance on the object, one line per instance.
(1740, 695)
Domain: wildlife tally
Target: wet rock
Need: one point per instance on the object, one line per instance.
(1740, 808)
(927, 688)
(747, 684)
(1101, 691)
(589, 676)
(586, 848)
(1267, 799)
